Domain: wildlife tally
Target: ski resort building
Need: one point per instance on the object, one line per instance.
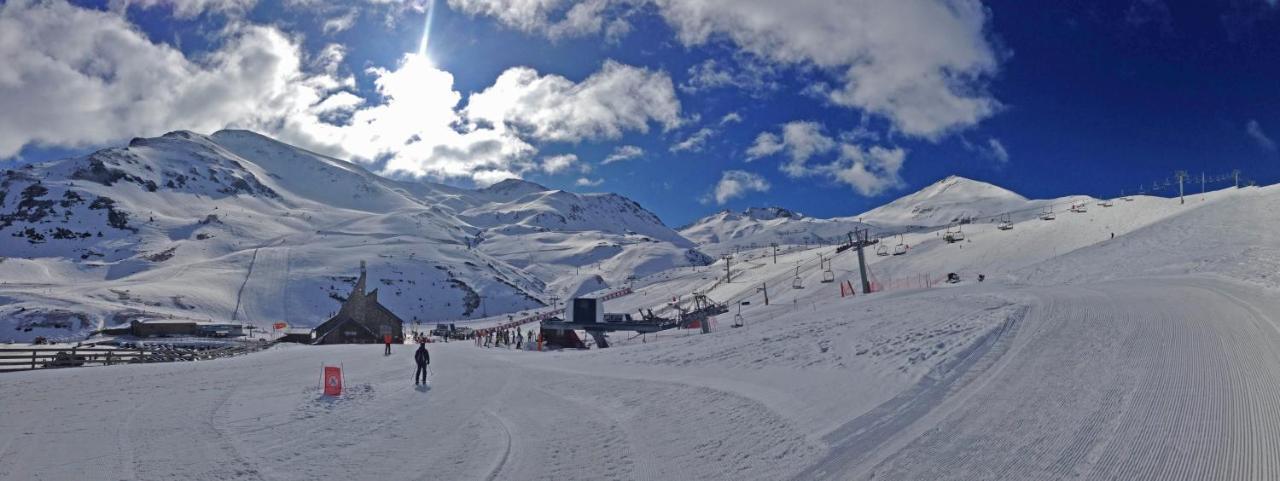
(360, 320)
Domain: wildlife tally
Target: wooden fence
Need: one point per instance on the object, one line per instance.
(36, 357)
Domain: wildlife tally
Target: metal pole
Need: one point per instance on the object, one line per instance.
(862, 261)
(1181, 174)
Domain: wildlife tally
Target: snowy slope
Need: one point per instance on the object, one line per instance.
(1148, 357)
(237, 226)
(726, 230)
(951, 200)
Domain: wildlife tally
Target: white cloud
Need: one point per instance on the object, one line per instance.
(554, 18)
(870, 171)
(585, 182)
(1259, 136)
(187, 8)
(738, 183)
(918, 63)
(745, 72)
(993, 149)
(766, 144)
(921, 64)
(69, 66)
(803, 140)
(731, 118)
(341, 22)
(552, 108)
(625, 152)
(78, 77)
(557, 163)
(695, 142)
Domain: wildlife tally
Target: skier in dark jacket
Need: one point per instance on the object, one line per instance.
(423, 358)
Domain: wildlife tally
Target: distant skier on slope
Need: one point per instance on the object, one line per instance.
(423, 358)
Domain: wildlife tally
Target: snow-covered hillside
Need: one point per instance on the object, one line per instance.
(957, 200)
(237, 226)
(726, 230)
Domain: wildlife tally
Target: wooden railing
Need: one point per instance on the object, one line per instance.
(36, 357)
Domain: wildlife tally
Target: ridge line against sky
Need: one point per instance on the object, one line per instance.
(830, 107)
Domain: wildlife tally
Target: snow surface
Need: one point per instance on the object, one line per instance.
(1152, 355)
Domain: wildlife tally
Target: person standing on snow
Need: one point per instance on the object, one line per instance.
(386, 339)
(423, 358)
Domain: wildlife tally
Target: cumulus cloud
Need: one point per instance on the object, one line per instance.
(921, 64)
(621, 153)
(766, 144)
(869, 171)
(737, 183)
(1259, 136)
(552, 108)
(69, 66)
(78, 77)
(558, 163)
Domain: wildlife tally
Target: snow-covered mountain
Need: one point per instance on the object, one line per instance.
(950, 200)
(237, 226)
(756, 226)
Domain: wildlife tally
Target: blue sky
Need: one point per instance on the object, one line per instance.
(829, 107)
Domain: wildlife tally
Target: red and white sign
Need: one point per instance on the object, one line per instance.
(332, 381)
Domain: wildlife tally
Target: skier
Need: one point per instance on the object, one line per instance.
(423, 358)
(386, 339)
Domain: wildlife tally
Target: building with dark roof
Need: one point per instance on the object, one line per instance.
(361, 320)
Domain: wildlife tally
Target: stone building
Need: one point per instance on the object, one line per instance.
(360, 320)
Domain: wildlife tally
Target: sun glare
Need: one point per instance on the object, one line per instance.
(426, 29)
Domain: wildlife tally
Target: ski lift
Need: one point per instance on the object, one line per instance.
(1105, 203)
(1047, 213)
(1005, 223)
(954, 234)
(882, 249)
(827, 275)
(737, 318)
(901, 248)
(796, 283)
(1079, 207)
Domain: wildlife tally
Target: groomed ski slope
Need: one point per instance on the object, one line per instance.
(1152, 356)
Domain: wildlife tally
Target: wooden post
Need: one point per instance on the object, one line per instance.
(33, 359)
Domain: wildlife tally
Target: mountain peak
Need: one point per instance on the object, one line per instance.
(953, 199)
(770, 213)
(513, 188)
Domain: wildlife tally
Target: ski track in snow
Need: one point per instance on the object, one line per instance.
(1161, 379)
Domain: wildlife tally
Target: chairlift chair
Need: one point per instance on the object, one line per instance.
(797, 283)
(1047, 214)
(1005, 223)
(828, 276)
(901, 248)
(882, 249)
(953, 235)
(737, 318)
